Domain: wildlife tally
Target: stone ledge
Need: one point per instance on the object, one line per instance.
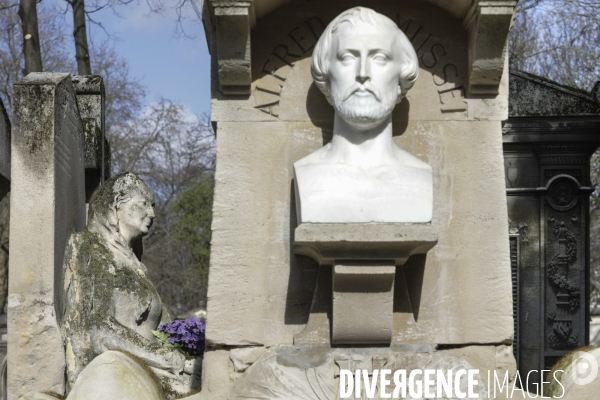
(325, 243)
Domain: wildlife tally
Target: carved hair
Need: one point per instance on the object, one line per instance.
(111, 195)
(408, 64)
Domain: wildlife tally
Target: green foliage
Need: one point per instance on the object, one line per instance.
(191, 226)
(164, 338)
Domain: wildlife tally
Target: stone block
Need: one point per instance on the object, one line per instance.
(47, 205)
(216, 380)
(244, 357)
(325, 243)
(363, 302)
(232, 20)
(4, 152)
(311, 372)
(488, 32)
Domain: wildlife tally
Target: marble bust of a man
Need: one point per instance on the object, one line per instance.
(364, 65)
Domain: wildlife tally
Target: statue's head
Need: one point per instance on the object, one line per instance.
(364, 64)
(123, 204)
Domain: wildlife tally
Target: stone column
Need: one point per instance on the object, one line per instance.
(47, 204)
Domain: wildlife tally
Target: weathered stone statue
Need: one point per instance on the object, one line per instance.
(364, 65)
(109, 302)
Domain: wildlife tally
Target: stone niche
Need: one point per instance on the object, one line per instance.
(260, 293)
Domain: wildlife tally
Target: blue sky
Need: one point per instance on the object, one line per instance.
(176, 68)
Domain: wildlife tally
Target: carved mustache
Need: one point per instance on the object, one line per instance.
(357, 87)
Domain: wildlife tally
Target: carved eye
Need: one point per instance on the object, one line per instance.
(347, 57)
(380, 58)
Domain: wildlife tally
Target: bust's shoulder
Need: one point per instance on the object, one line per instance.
(314, 158)
(409, 160)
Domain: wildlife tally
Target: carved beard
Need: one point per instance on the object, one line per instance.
(364, 112)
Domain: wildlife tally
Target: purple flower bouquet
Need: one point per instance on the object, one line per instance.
(187, 336)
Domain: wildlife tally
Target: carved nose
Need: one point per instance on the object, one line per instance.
(362, 78)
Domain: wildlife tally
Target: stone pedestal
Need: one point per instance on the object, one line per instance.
(362, 259)
(363, 302)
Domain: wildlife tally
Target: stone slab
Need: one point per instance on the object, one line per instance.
(309, 372)
(327, 242)
(47, 205)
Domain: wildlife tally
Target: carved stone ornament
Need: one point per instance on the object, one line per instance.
(364, 65)
(312, 373)
(567, 292)
(563, 192)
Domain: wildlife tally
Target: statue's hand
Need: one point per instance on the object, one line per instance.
(188, 367)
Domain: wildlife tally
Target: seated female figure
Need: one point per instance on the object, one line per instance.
(109, 302)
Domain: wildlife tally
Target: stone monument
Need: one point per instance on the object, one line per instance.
(80, 306)
(273, 283)
(548, 139)
(47, 205)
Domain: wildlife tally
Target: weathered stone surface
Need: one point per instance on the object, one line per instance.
(109, 302)
(490, 359)
(457, 300)
(259, 292)
(244, 357)
(312, 373)
(325, 243)
(486, 22)
(534, 96)
(548, 140)
(4, 152)
(363, 302)
(488, 28)
(115, 375)
(232, 20)
(89, 91)
(47, 205)
(216, 381)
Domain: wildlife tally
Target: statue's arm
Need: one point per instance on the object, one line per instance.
(109, 334)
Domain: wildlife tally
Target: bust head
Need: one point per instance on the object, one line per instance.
(124, 206)
(364, 65)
